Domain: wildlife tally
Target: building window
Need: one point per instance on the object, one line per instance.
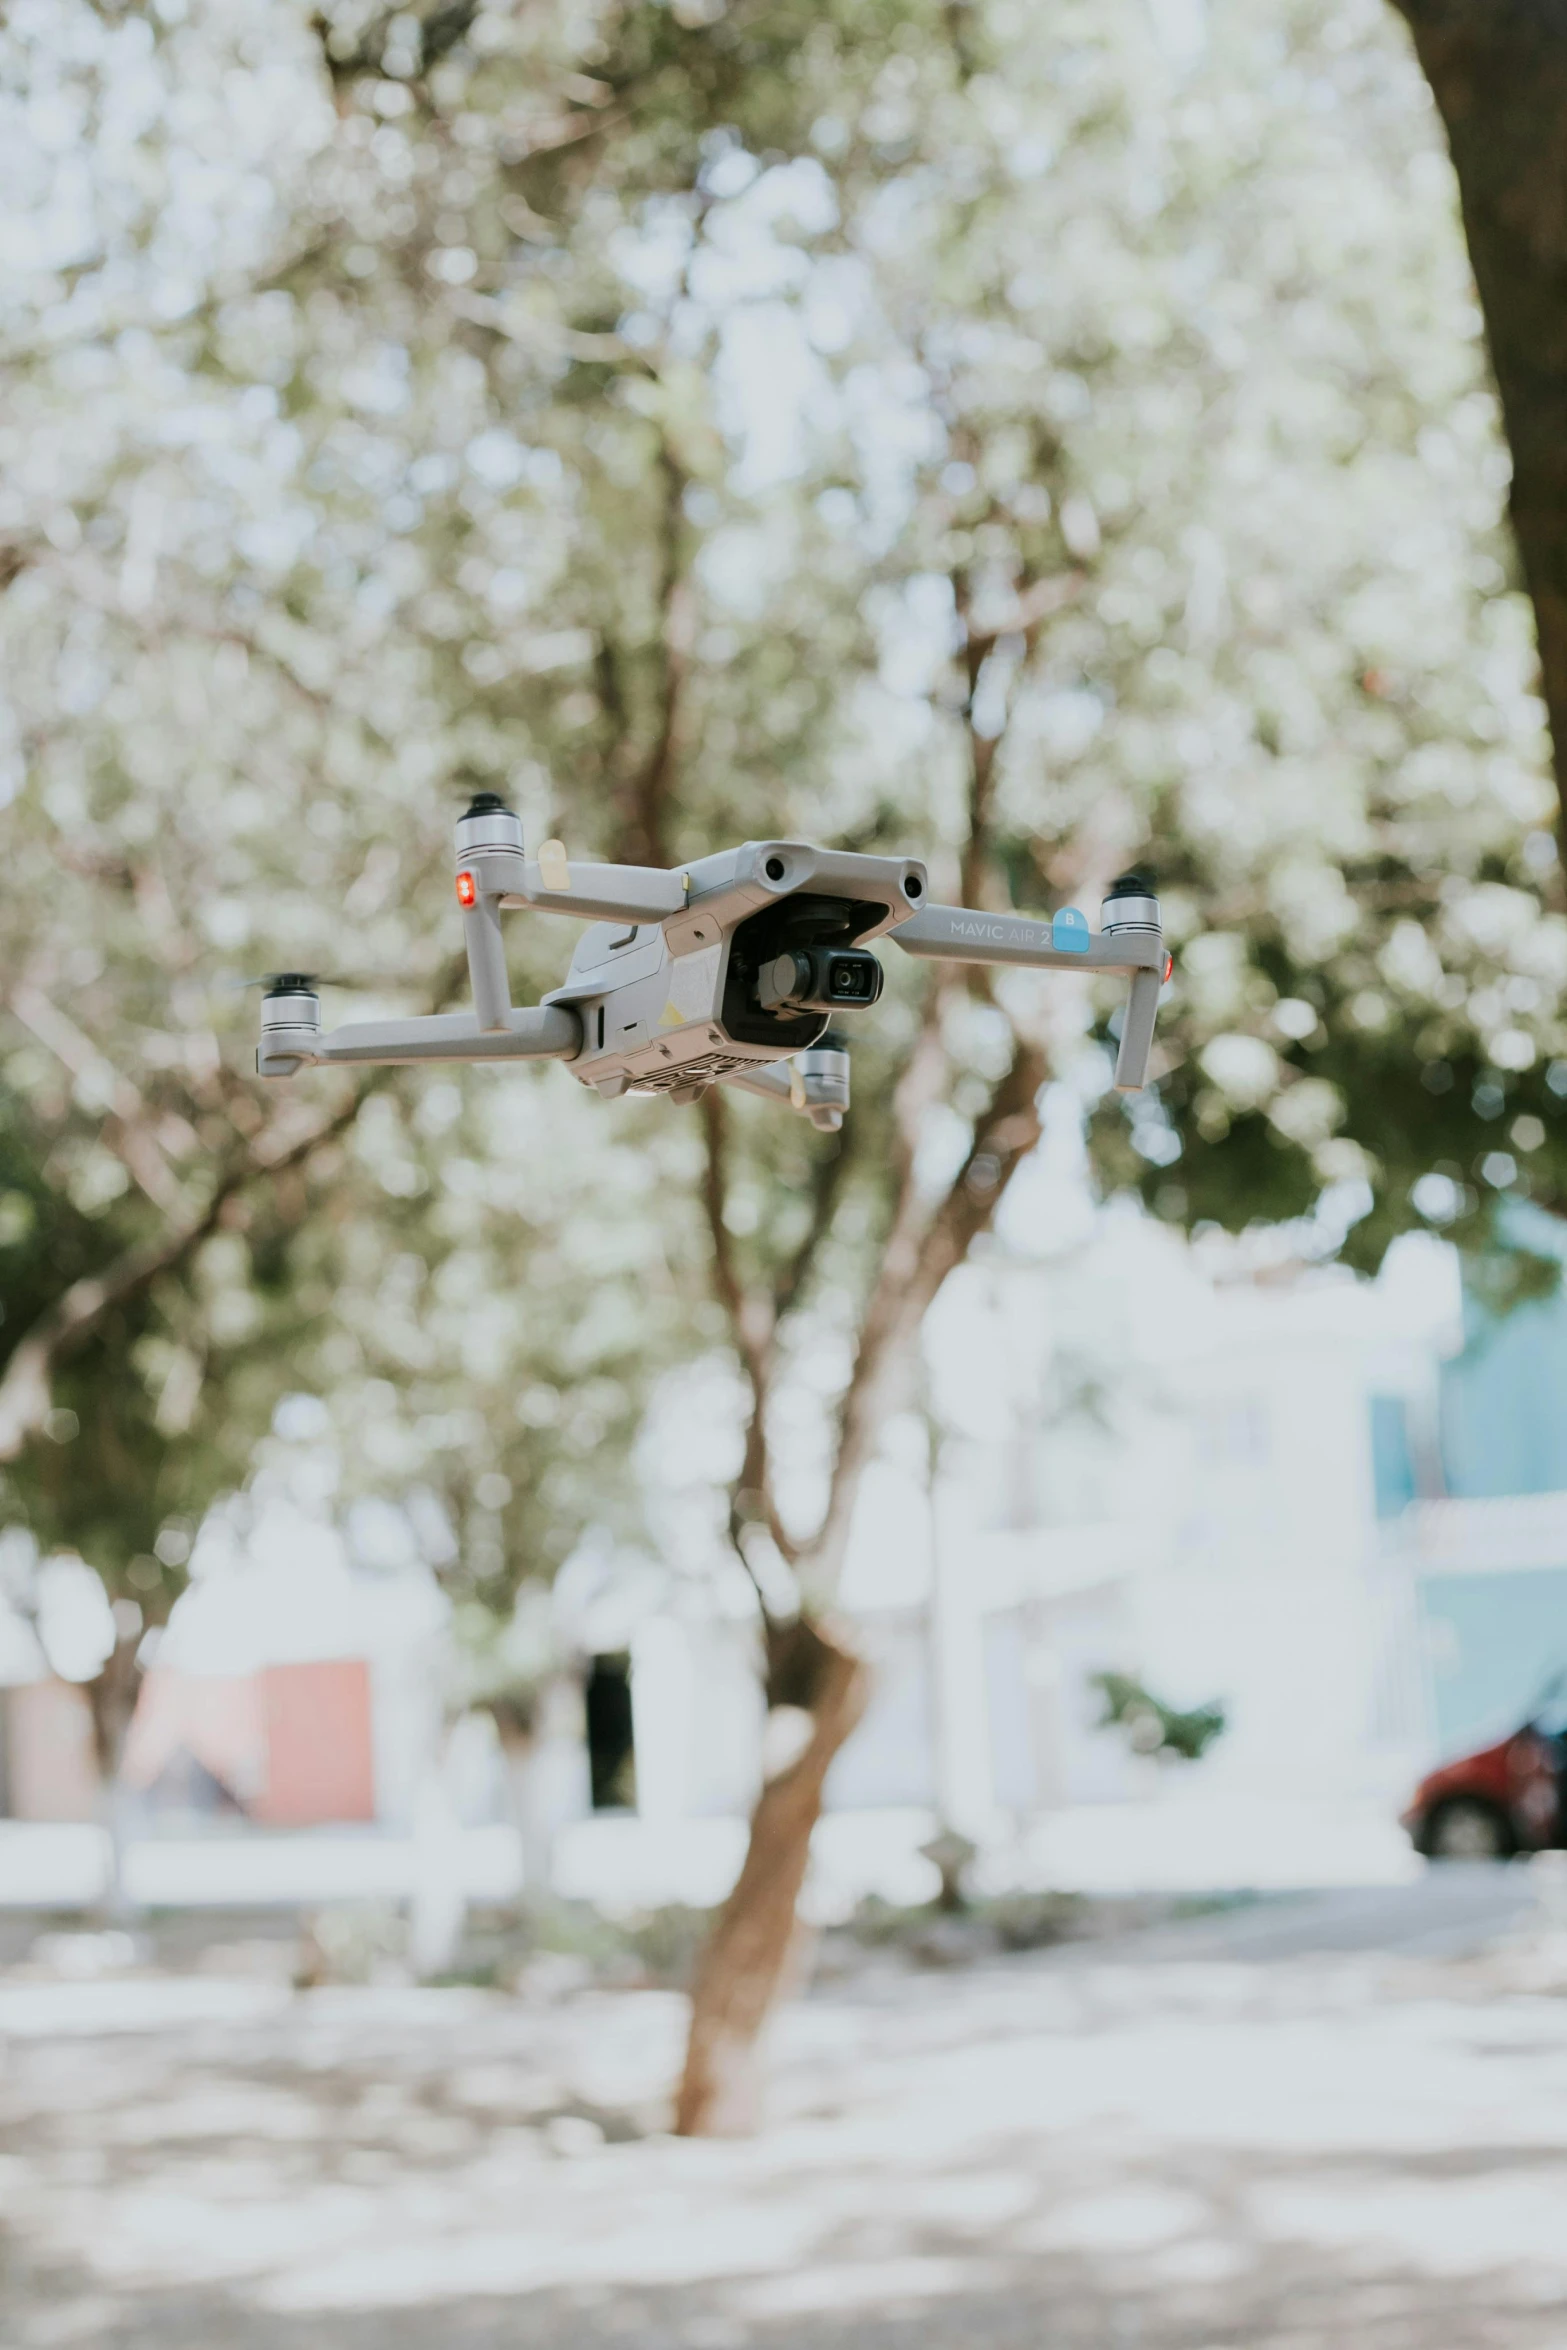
(1392, 1455)
(1234, 1434)
(612, 1758)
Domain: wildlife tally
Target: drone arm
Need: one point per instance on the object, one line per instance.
(815, 1082)
(953, 934)
(770, 1079)
(603, 893)
(543, 1032)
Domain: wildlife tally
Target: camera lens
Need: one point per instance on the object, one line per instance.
(850, 982)
(814, 978)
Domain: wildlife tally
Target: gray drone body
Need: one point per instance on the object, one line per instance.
(720, 972)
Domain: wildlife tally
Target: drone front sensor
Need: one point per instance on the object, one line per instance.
(723, 972)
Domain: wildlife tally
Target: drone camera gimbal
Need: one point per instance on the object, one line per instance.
(725, 971)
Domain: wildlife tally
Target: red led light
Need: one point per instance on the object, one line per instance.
(1169, 965)
(467, 890)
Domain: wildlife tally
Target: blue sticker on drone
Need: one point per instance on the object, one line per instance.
(1069, 932)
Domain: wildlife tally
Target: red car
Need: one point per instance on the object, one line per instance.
(1508, 1798)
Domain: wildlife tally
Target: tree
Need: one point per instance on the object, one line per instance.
(1499, 77)
(229, 718)
(1352, 812)
(143, 1370)
(1098, 473)
(1152, 1727)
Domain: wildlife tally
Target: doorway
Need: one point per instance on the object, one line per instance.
(612, 1758)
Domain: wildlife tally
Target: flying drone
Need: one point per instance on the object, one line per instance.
(726, 971)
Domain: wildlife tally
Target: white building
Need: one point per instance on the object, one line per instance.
(1133, 1456)
(1144, 1458)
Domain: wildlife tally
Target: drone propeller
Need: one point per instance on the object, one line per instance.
(292, 982)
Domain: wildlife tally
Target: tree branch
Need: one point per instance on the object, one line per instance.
(828, 1168)
(25, 1388)
(646, 798)
(752, 1328)
(922, 1249)
(126, 1128)
(1036, 601)
(923, 1244)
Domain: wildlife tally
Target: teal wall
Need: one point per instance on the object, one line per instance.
(1504, 1398)
(1493, 1641)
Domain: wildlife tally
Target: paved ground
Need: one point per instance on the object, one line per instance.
(1338, 2121)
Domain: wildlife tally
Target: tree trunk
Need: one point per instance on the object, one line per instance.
(111, 1696)
(520, 1754)
(1498, 71)
(746, 1961)
(438, 1901)
(744, 1967)
(544, 1745)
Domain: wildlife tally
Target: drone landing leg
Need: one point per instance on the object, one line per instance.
(1142, 1003)
(481, 924)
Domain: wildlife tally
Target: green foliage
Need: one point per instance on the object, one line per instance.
(1506, 1275)
(1151, 1726)
(141, 1437)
